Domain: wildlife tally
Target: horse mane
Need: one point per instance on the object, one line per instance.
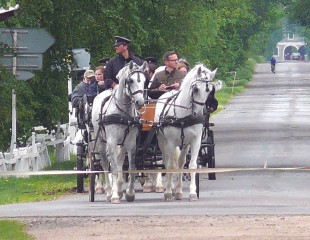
(191, 75)
(124, 70)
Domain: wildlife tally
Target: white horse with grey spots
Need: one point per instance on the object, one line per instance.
(116, 122)
(181, 120)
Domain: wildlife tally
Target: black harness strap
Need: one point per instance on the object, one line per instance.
(121, 119)
(182, 123)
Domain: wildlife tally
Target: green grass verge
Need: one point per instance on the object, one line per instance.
(233, 87)
(38, 188)
(10, 229)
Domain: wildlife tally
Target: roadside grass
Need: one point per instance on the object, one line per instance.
(10, 229)
(38, 188)
(232, 87)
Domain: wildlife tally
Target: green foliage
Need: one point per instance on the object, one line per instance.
(10, 229)
(299, 13)
(234, 86)
(222, 34)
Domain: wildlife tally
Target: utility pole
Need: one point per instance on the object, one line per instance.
(13, 136)
(4, 15)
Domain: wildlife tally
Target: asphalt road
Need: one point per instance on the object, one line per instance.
(269, 122)
(266, 124)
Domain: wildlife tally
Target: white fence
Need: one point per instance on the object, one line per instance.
(35, 156)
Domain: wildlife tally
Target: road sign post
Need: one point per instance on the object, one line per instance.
(29, 45)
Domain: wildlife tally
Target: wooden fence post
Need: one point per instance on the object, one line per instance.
(59, 151)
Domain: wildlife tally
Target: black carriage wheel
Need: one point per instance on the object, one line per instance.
(211, 156)
(79, 167)
(197, 184)
(211, 162)
(92, 182)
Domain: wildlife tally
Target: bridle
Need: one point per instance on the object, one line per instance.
(127, 85)
(194, 86)
(171, 100)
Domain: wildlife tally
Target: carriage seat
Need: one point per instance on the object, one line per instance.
(148, 114)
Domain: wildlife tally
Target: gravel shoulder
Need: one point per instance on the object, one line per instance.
(240, 227)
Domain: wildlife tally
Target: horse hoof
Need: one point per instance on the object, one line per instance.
(178, 196)
(173, 192)
(100, 190)
(120, 194)
(115, 200)
(130, 196)
(147, 189)
(160, 189)
(108, 198)
(168, 197)
(193, 197)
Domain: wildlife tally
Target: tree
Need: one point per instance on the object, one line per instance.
(220, 34)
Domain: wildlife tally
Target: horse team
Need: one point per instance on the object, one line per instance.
(179, 115)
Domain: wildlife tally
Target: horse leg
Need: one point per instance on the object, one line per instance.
(120, 162)
(105, 165)
(107, 176)
(148, 184)
(159, 188)
(116, 168)
(153, 183)
(168, 195)
(167, 156)
(130, 192)
(179, 185)
(193, 165)
(98, 183)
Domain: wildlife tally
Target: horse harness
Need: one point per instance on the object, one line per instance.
(184, 122)
(123, 118)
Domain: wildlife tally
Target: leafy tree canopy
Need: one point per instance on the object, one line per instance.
(219, 33)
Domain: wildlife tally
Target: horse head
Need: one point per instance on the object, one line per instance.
(132, 79)
(199, 80)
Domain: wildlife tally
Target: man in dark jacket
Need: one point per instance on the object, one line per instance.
(124, 56)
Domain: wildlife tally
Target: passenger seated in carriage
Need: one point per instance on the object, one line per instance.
(98, 86)
(168, 78)
(151, 68)
(82, 88)
(183, 65)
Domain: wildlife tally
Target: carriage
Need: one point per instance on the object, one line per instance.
(148, 155)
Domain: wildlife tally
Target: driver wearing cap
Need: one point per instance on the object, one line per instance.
(124, 56)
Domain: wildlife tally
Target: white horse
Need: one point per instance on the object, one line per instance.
(181, 121)
(116, 121)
